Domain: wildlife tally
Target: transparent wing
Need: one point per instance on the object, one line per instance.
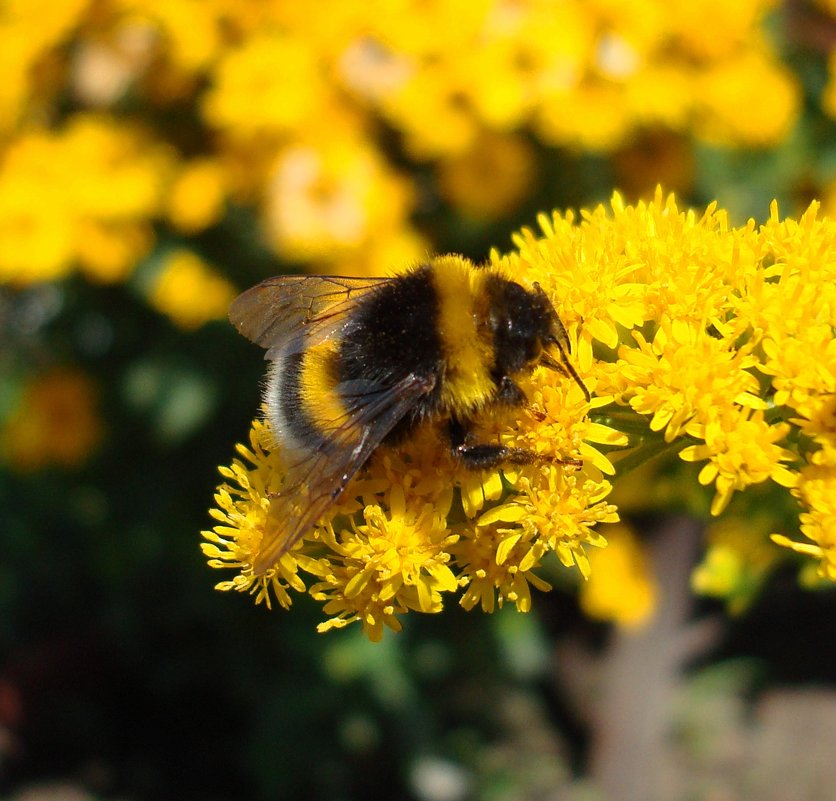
(317, 478)
(295, 307)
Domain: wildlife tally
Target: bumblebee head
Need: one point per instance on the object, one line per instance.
(522, 325)
(525, 328)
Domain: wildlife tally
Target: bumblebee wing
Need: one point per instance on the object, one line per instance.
(279, 310)
(316, 478)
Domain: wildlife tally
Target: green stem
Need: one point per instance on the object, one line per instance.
(631, 458)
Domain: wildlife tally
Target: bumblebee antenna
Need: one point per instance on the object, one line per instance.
(560, 338)
(564, 366)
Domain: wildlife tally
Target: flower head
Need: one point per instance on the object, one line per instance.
(395, 560)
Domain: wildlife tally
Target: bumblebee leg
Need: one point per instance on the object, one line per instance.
(509, 394)
(480, 456)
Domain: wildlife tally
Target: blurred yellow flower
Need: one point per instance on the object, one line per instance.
(621, 587)
(108, 252)
(55, 189)
(271, 84)
(196, 199)
(451, 81)
(429, 108)
(731, 25)
(55, 422)
(590, 116)
(736, 562)
(489, 180)
(330, 198)
(28, 30)
(190, 291)
(724, 108)
(403, 245)
(190, 29)
(829, 96)
(673, 300)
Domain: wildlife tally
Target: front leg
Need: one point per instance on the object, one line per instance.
(482, 456)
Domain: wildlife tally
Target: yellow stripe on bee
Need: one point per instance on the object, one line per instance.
(321, 403)
(465, 344)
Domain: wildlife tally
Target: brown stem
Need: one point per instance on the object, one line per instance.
(641, 673)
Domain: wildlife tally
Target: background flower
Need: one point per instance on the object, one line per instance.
(156, 157)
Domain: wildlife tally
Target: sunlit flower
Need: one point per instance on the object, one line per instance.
(678, 327)
(741, 448)
(683, 375)
(395, 560)
(242, 511)
(500, 558)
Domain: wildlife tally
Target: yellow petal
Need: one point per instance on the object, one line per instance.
(506, 513)
(505, 548)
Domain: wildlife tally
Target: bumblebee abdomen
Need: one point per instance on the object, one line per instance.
(393, 332)
(430, 322)
(304, 407)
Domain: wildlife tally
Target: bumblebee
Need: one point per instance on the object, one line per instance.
(355, 362)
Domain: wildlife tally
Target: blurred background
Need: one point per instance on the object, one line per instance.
(157, 157)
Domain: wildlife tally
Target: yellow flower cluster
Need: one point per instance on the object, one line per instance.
(81, 196)
(714, 341)
(402, 537)
(290, 112)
